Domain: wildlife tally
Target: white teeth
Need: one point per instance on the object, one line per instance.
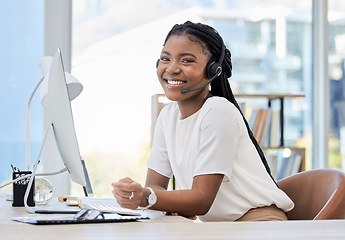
(174, 82)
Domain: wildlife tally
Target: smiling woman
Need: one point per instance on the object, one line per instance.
(203, 140)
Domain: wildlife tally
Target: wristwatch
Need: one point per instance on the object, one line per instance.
(151, 198)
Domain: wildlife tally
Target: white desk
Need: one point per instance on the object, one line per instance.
(168, 227)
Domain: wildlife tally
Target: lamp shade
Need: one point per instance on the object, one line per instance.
(74, 87)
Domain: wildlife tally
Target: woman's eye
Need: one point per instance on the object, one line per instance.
(165, 59)
(187, 60)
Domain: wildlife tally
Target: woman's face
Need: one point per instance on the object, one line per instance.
(182, 66)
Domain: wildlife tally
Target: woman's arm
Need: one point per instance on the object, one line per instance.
(156, 180)
(196, 201)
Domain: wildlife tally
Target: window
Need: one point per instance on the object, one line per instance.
(336, 72)
(21, 49)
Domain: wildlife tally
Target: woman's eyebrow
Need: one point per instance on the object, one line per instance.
(181, 55)
(165, 52)
(188, 54)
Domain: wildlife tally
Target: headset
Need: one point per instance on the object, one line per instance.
(213, 69)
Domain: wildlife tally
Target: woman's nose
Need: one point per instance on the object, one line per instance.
(173, 68)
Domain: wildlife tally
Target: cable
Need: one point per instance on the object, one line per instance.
(33, 174)
(38, 175)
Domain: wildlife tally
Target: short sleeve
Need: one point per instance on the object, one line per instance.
(159, 160)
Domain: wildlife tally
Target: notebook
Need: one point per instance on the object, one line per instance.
(106, 205)
(108, 218)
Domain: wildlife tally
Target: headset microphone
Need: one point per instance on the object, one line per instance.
(208, 82)
(213, 70)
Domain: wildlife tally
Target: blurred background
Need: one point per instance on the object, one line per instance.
(114, 48)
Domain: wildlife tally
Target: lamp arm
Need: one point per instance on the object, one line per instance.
(27, 142)
(26, 195)
(33, 174)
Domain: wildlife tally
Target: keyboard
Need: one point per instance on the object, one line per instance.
(106, 205)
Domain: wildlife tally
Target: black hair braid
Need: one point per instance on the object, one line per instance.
(220, 86)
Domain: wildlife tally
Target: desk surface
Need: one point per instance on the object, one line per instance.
(168, 227)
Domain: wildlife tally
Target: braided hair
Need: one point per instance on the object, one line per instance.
(208, 36)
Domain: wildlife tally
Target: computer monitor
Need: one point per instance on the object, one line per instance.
(63, 125)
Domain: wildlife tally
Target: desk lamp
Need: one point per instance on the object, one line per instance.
(74, 88)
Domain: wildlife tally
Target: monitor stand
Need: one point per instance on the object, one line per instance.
(88, 189)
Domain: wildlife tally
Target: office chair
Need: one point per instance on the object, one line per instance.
(318, 194)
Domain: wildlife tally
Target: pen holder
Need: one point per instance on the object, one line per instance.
(19, 189)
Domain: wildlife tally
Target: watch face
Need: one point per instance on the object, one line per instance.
(152, 199)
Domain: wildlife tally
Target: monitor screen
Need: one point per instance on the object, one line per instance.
(62, 121)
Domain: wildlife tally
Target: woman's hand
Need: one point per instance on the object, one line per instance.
(128, 193)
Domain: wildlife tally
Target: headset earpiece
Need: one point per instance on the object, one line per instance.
(215, 68)
(157, 63)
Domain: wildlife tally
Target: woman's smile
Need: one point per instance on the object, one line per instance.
(174, 83)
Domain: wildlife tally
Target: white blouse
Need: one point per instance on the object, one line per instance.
(214, 140)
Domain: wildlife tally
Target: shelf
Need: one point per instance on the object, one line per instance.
(275, 96)
(302, 168)
(280, 97)
(271, 96)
